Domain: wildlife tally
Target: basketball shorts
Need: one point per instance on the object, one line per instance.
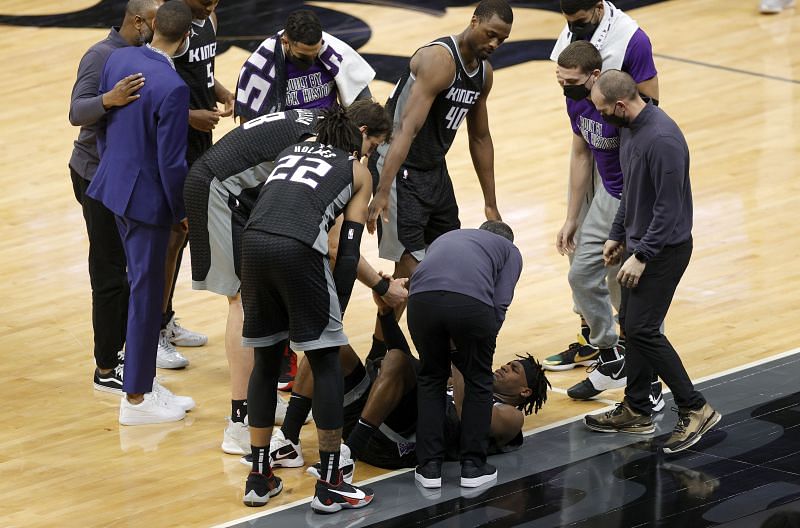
(422, 206)
(217, 212)
(288, 293)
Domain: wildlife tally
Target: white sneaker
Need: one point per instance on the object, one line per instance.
(184, 402)
(772, 7)
(280, 411)
(180, 336)
(346, 464)
(236, 438)
(283, 452)
(152, 410)
(167, 357)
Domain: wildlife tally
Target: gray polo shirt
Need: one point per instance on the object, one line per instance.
(86, 104)
(472, 262)
(656, 205)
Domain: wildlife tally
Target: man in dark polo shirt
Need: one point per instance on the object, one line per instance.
(459, 294)
(653, 231)
(106, 256)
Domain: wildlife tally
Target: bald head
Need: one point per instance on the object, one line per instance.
(615, 85)
(142, 7)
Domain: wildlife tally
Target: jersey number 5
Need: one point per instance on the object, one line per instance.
(288, 166)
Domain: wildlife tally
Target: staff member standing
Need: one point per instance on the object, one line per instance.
(460, 293)
(140, 179)
(653, 228)
(106, 256)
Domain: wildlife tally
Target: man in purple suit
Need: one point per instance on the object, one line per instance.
(142, 149)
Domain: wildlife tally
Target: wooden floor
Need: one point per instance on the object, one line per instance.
(728, 76)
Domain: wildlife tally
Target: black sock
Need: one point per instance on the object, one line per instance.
(359, 437)
(296, 414)
(165, 318)
(330, 467)
(238, 410)
(261, 460)
(609, 354)
(378, 349)
(585, 331)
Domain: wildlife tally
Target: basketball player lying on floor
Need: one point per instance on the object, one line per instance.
(380, 406)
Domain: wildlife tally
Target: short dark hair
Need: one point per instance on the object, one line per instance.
(338, 130)
(616, 85)
(570, 7)
(303, 26)
(173, 20)
(368, 113)
(581, 54)
(498, 228)
(488, 8)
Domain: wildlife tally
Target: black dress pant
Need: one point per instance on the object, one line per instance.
(648, 351)
(434, 319)
(107, 275)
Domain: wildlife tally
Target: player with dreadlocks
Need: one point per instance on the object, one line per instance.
(380, 414)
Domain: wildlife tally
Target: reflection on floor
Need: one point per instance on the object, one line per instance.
(737, 476)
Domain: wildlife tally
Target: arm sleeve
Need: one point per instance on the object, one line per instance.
(344, 274)
(618, 226)
(638, 61)
(505, 283)
(392, 334)
(86, 102)
(668, 172)
(172, 135)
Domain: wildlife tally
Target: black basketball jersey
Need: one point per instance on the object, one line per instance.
(242, 158)
(196, 67)
(448, 110)
(305, 192)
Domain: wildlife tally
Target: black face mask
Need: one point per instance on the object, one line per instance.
(614, 120)
(582, 30)
(577, 92)
(299, 62)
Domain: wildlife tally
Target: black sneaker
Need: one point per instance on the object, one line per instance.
(429, 475)
(657, 396)
(260, 488)
(575, 355)
(603, 375)
(288, 370)
(473, 475)
(330, 499)
(110, 382)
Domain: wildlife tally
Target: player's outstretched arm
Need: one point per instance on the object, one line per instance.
(434, 69)
(481, 147)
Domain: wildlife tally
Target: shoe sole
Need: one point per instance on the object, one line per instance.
(429, 483)
(103, 388)
(171, 367)
(189, 343)
(711, 422)
(286, 387)
(567, 366)
(601, 429)
(474, 482)
(318, 507)
(254, 500)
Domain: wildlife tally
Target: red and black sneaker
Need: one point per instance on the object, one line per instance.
(288, 370)
(260, 488)
(330, 499)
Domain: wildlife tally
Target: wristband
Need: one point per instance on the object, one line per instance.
(382, 287)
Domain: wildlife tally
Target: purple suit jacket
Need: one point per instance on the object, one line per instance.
(142, 146)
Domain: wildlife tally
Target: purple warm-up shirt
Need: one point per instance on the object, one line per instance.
(311, 88)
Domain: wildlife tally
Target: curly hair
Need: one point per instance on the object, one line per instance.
(537, 383)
